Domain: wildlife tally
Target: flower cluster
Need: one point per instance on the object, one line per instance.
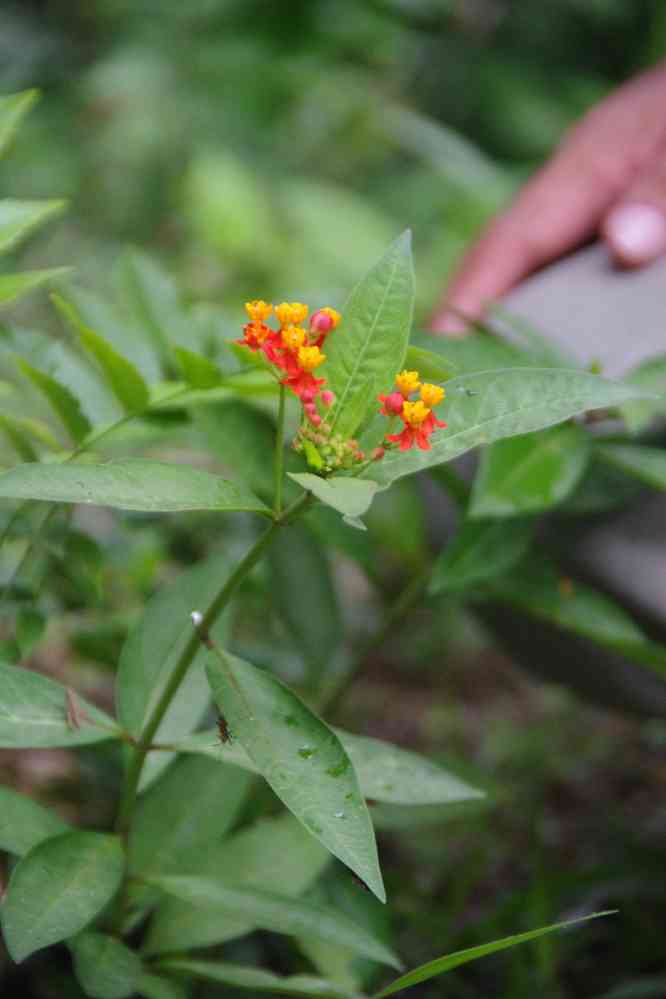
(417, 416)
(295, 351)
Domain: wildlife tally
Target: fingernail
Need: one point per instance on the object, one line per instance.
(636, 233)
(449, 323)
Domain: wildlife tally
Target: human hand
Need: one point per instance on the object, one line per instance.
(608, 176)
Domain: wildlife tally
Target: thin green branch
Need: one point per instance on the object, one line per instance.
(219, 602)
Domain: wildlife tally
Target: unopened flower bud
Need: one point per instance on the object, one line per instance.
(393, 403)
(321, 322)
(314, 418)
(378, 453)
(327, 397)
(307, 395)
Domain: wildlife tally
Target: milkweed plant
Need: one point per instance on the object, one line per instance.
(353, 402)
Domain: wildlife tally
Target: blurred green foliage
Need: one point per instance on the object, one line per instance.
(260, 146)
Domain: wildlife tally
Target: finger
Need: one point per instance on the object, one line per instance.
(635, 228)
(563, 204)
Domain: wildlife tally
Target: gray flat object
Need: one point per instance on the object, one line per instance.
(617, 318)
(597, 312)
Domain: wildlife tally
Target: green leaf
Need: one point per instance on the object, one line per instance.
(333, 962)
(304, 597)
(573, 606)
(350, 497)
(13, 286)
(242, 977)
(301, 758)
(648, 464)
(30, 627)
(20, 430)
(191, 807)
(384, 771)
(480, 551)
(122, 377)
(279, 913)
(274, 854)
(398, 776)
(650, 376)
(369, 345)
(60, 398)
(12, 109)
(18, 438)
(105, 967)
(197, 370)
(129, 339)
(431, 367)
(33, 713)
(529, 473)
(24, 823)
(19, 218)
(154, 987)
(450, 961)
(58, 888)
(134, 484)
(489, 405)
(152, 650)
(242, 439)
(152, 300)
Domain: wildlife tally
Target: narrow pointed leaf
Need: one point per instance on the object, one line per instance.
(273, 854)
(301, 758)
(278, 913)
(58, 888)
(12, 109)
(190, 808)
(19, 218)
(17, 438)
(385, 772)
(33, 713)
(480, 551)
(648, 464)
(151, 486)
(530, 473)
(397, 776)
(197, 370)
(450, 961)
(241, 977)
(489, 405)
(152, 300)
(24, 823)
(155, 987)
(105, 967)
(25, 429)
(61, 399)
(120, 374)
(369, 345)
(13, 286)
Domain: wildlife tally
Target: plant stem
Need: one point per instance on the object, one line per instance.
(218, 603)
(279, 453)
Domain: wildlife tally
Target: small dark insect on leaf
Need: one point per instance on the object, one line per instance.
(469, 392)
(223, 729)
(360, 882)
